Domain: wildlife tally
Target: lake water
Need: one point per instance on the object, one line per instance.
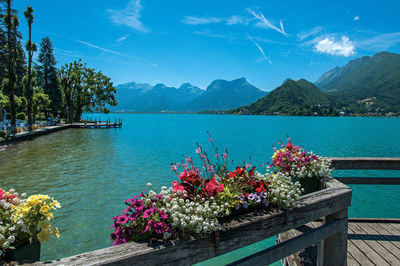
(92, 171)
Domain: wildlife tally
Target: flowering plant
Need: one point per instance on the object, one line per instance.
(296, 162)
(25, 218)
(195, 204)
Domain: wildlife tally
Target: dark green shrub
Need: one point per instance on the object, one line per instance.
(21, 116)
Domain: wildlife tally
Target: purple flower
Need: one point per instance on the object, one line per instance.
(257, 198)
(251, 196)
(122, 219)
(265, 202)
(147, 213)
(158, 227)
(163, 216)
(128, 209)
(245, 204)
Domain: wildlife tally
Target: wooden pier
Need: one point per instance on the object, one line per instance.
(98, 124)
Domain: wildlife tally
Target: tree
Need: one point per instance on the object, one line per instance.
(40, 101)
(31, 48)
(4, 102)
(84, 89)
(47, 75)
(11, 21)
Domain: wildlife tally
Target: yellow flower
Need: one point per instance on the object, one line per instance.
(55, 204)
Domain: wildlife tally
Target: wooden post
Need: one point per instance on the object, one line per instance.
(335, 247)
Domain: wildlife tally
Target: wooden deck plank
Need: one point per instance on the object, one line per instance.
(366, 249)
(376, 245)
(357, 254)
(376, 236)
(391, 234)
(391, 228)
(368, 244)
(351, 260)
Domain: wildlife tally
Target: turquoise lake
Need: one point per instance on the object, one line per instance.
(92, 171)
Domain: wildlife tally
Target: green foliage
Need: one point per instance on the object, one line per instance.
(292, 98)
(40, 101)
(84, 89)
(366, 84)
(46, 75)
(4, 101)
(21, 116)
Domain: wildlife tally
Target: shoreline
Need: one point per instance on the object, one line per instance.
(18, 137)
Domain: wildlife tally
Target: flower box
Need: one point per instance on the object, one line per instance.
(237, 232)
(24, 252)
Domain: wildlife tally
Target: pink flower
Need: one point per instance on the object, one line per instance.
(147, 213)
(176, 186)
(198, 150)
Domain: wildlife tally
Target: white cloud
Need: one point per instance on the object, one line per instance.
(201, 20)
(207, 33)
(343, 47)
(265, 23)
(129, 16)
(123, 38)
(305, 34)
(356, 18)
(233, 20)
(260, 49)
(380, 42)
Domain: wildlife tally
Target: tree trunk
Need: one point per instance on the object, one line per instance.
(29, 87)
(11, 74)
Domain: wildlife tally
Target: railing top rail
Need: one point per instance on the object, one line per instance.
(365, 163)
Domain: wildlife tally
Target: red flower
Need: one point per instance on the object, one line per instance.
(212, 187)
(238, 172)
(190, 177)
(176, 186)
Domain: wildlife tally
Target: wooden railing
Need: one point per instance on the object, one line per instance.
(367, 163)
(330, 203)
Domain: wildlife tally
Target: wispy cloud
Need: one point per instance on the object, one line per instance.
(380, 42)
(207, 33)
(232, 20)
(105, 50)
(123, 38)
(129, 16)
(260, 49)
(193, 20)
(265, 23)
(343, 47)
(356, 18)
(312, 32)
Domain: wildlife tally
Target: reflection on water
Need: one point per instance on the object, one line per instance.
(92, 171)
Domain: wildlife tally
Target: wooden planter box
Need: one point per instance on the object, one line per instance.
(24, 252)
(330, 203)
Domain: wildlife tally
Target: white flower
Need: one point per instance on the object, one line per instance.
(6, 245)
(11, 239)
(12, 191)
(149, 184)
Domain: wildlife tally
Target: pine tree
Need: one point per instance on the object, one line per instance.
(47, 75)
(31, 48)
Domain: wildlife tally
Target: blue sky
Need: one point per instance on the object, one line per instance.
(173, 42)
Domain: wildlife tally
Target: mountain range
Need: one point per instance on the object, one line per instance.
(366, 85)
(219, 95)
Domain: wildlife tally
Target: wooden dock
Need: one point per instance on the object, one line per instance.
(98, 124)
(370, 242)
